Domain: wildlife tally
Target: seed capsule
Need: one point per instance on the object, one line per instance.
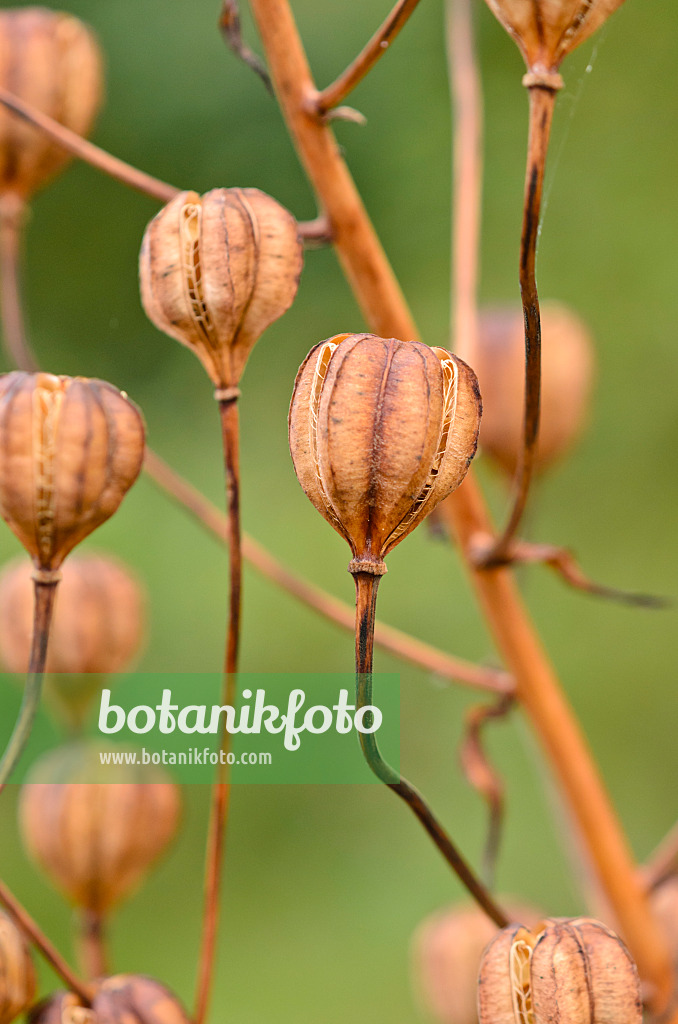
(70, 448)
(217, 270)
(96, 839)
(547, 30)
(61, 1008)
(17, 976)
(51, 61)
(448, 949)
(574, 971)
(134, 999)
(380, 432)
(498, 358)
(98, 620)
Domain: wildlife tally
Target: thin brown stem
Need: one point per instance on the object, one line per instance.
(390, 639)
(366, 585)
(337, 92)
(93, 944)
(538, 690)
(45, 591)
(542, 102)
(12, 215)
(87, 151)
(221, 788)
(467, 157)
(663, 862)
(37, 937)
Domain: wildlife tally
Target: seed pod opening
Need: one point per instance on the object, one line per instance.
(52, 61)
(217, 270)
(96, 839)
(135, 999)
(17, 975)
(547, 30)
(380, 431)
(565, 970)
(70, 449)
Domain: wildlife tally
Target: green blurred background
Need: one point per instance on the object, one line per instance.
(325, 886)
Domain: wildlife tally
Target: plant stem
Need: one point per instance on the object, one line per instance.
(44, 603)
(384, 307)
(221, 788)
(12, 215)
(337, 92)
(542, 103)
(93, 944)
(366, 585)
(34, 933)
(467, 102)
(390, 639)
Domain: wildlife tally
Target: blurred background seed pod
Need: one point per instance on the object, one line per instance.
(97, 628)
(446, 953)
(96, 830)
(135, 999)
(498, 358)
(17, 976)
(61, 1008)
(52, 61)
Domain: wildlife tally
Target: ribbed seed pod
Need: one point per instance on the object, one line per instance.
(98, 621)
(61, 1008)
(448, 948)
(567, 371)
(135, 999)
(380, 432)
(217, 270)
(17, 976)
(547, 30)
(70, 448)
(96, 839)
(51, 61)
(565, 971)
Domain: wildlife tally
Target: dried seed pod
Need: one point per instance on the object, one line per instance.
(380, 432)
(98, 620)
(61, 1008)
(448, 948)
(547, 30)
(498, 358)
(17, 976)
(51, 61)
(70, 450)
(217, 270)
(574, 970)
(135, 999)
(96, 839)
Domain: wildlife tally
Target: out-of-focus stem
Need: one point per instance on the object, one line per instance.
(93, 944)
(12, 215)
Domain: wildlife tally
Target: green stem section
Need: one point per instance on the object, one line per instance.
(44, 603)
(221, 789)
(366, 600)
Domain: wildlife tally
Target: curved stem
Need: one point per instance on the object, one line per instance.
(34, 934)
(337, 92)
(12, 214)
(542, 102)
(221, 788)
(44, 603)
(376, 289)
(366, 585)
(93, 944)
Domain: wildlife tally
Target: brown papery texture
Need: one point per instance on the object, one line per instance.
(135, 999)
(215, 271)
(51, 61)
(17, 976)
(96, 840)
(70, 449)
(380, 431)
(547, 30)
(98, 620)
(567, 374)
